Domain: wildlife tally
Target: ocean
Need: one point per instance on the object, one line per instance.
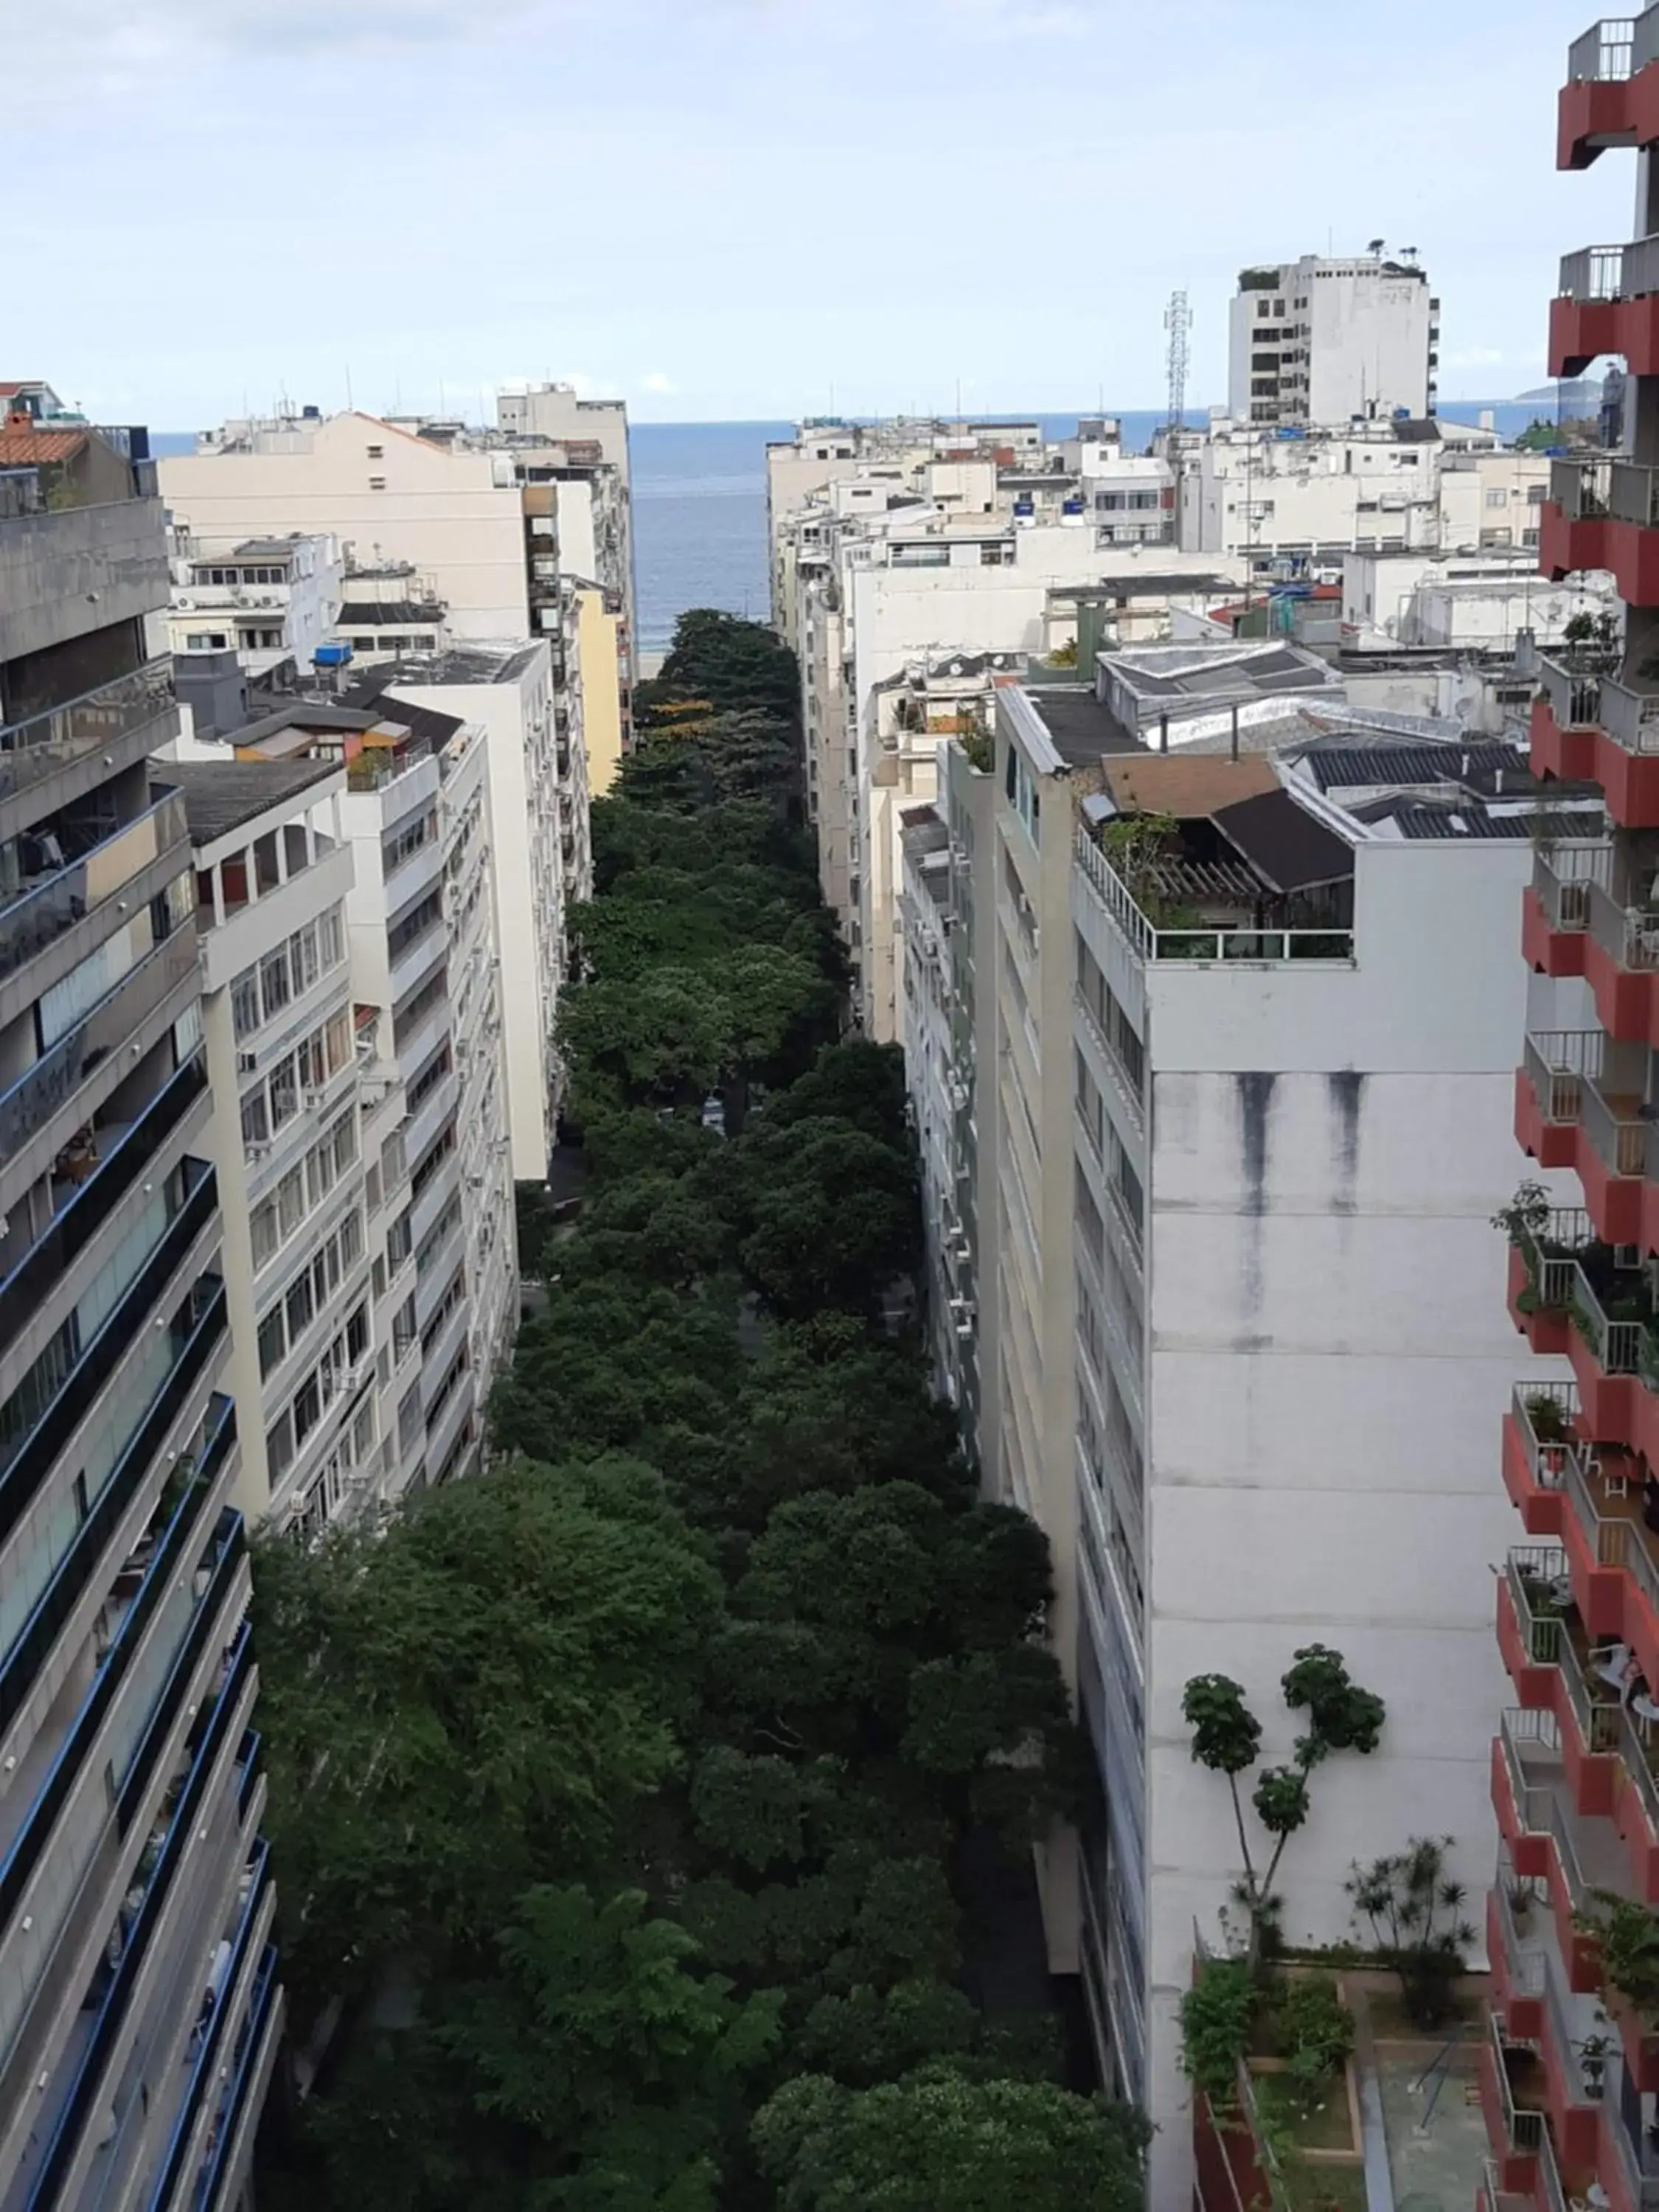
(700, 506)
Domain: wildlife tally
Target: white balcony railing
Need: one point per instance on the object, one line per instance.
(1606, 52)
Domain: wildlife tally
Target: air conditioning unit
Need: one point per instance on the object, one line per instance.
(965, 1330)
(247, 1063)
(257, 1152)
(315, 1097)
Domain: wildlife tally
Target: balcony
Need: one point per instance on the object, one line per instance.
(1608, 1754)
(1549, 1842)
(121, 722)
(1602, 513)
(61, 1090)
(1543, 1268)
(1621, 965)
(1242, 939)
(1590, 726)
(1557, 1069)
(1555, 910)
(1607, 303)
(1611, 97)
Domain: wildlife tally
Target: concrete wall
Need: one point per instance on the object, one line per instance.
(601, 677)
(84, 569)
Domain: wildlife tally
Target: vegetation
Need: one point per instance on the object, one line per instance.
(1627, 1932)
(1227, 1738)
(1414, 1914)
(625, 1795)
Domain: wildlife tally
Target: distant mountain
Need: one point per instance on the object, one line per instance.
(1585, 393)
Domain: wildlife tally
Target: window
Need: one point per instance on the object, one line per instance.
(377, 483)
(330, 932)
(273, 1341)
(1497, 499)
(376, 453)
(274, 981)
(245, 1003)
(256, 1122)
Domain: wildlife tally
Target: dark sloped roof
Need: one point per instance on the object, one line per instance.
(1417, 430)
(1283, 843)
(1480, 763)
(1081, 728)
(387, 614)
(220, 796)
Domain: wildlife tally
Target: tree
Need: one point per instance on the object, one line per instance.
(473, 1700)
(936, 2141)
(827, 1216)
(1227, 1737)
(590, 2065)
(1415, 1912)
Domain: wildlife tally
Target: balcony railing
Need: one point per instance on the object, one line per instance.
(1560, 1065)
(34, 749)
(24, 1290)
(1628, 935)
(1595, 272)
(1562, 876)
(1550, 1257)
(1634, 494)
(1631, 718)
(20, 1484)
(42, 914)
(1523, 2124)
(207, 2070)
(249, 2043)
(1529, 1573)
(1546, 1455)
(1604, 53)
(1572, 679)
(1619, 1345)
(1644, 40)
(1581, 488)
(1620, 1139)
(1238, 942)
(89, 2084)
(50, 1082)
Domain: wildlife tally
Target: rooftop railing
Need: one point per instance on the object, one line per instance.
(1242, 943)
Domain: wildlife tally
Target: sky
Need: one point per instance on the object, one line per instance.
(756, 209)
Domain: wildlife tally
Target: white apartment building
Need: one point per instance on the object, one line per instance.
(388, 609)
(1328, 341)
(1251, 1098)
(427, 1032)
(455, 516)
(1301, 500)
(267, 599)
(273, 877)
(542, 853)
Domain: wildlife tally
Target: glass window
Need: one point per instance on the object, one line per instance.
(302, 1307)
(256, 1122)
(284, 1093)
(274, 981)
(303, 957)
(331, 937)
(262, 1226)
(279, 1446)
(307, 1408)
(273, 1341)
(245, 1003)
(291, 1200)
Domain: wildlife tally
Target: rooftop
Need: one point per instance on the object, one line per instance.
(25, 447)
(1081, 728)
(1201, 676)
(220, 796)
(377, 614)
(459, 664)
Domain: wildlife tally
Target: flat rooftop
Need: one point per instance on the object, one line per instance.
(1081, 728)
(220, 796)
(1203, 676)
(459, 664)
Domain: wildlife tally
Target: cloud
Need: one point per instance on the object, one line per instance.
(654, 380)
(1477, 357)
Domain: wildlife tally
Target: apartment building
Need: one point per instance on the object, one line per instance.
(1299, 502)
(542, 855)
(1329, 340)
(273, 879)
(266, 599)
(139, 2006)
(1249, 1094)
(385, 1389)
(919, 555)
(388, 609)
(1570, 2070)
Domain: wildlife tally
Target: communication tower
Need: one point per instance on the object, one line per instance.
(1178, 322)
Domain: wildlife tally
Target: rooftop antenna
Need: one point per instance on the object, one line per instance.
(350, 409)
(1178, 322)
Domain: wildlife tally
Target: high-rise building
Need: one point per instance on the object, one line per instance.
(139, 2007)
(1571, 2065)
(1208, 1181)
(1328, 340)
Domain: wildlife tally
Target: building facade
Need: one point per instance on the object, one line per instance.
(140, 2009)
(1570, 2066)
(1328, 340)
(1248, 1105)
(267, 600)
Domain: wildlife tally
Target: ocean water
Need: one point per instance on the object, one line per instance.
(700, 506)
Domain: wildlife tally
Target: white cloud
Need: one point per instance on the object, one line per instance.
(1477, 357)
(654, 380)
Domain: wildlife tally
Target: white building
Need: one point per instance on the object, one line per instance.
(543, 861)
(1330, 340)
(273, 876)
(267, 599)
(1251, 1096)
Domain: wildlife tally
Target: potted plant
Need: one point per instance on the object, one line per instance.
(1520, 1899)
(1548, 1418)
(1594, 2052)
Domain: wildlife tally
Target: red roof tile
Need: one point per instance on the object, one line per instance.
(32, 448)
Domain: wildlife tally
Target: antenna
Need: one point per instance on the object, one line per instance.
(1178, 321)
